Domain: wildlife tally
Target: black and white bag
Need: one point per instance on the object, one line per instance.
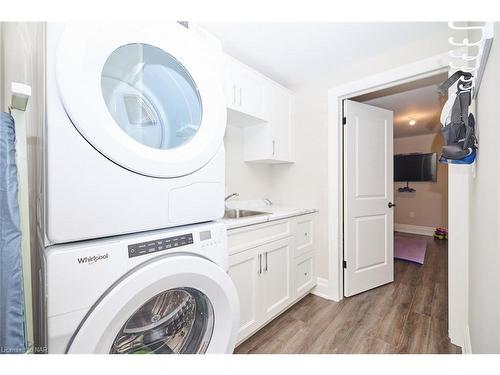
(457, 124)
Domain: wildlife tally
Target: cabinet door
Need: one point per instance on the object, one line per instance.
(278, 112)
(250, 93)
(243, 89)
(244, 271)
(276, 283)
(272, 142)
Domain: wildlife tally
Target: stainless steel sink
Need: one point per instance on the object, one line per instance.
(237, 213)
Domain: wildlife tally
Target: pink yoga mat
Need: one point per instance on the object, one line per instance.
(412, 249)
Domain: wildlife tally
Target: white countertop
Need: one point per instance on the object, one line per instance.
(273, 212)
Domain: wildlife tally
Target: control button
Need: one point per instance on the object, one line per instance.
(160, 244)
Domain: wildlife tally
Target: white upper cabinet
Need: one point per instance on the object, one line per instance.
(263, 108)
(244, 94)
(272, 142)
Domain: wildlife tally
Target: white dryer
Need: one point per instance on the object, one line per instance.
(162, 292)
(133, 139)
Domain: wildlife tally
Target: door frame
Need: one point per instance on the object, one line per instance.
(421, 69)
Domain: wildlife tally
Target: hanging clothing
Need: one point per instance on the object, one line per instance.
(458, 126)
(12, 335)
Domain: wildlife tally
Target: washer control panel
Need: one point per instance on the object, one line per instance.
(153, 246)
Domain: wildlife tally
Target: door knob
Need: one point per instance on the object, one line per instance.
(391, 205)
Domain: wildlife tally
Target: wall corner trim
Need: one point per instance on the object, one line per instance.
(467, 349)
(322, 289)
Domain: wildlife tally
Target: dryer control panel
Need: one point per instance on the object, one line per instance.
(153, 246)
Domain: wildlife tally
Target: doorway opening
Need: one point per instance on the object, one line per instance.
(395, 193)
(395, 200)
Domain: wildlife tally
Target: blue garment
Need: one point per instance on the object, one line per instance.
(469, 159)
(12, 338)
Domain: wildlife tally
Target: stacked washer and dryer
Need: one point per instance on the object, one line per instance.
(133, 170)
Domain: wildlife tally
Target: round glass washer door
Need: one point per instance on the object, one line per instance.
(147, 97)
(177, 321)
(170, 304)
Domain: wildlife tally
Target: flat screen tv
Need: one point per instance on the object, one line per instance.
(415, 167)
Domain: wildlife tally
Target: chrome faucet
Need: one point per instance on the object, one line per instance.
(230, 196)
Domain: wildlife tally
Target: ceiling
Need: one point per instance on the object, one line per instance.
(421, 103)
(295, 54)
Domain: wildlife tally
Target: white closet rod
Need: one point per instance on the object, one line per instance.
(483, 46)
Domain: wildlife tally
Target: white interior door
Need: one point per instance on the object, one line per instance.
(368, 197)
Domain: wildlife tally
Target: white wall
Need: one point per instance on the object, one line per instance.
(250, 180)
(304, 183)
(484, 245)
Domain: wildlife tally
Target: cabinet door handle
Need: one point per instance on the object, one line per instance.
(274, 147)
(260, 264)
(241, 97)
(265, 267)
(234, 94)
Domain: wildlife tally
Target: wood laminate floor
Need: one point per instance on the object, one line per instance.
(409, 315)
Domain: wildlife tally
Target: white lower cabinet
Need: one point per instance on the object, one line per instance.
(273, 275)
(263, 280)
(243, 269)
(275, 280)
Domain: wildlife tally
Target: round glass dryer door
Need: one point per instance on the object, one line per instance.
(177, 321)
(151, 96)
(146, 96)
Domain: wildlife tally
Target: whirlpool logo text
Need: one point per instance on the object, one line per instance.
(92, 259)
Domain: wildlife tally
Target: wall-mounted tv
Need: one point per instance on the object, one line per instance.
(415, 167)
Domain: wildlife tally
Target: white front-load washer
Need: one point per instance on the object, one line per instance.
(134, 125)
(166, 291)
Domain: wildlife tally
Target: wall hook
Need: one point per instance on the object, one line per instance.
(451, 25)
(462, 56)
(463, 68)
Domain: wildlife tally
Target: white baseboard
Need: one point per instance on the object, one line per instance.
(467, 348)
(414, 229)
(322, 288)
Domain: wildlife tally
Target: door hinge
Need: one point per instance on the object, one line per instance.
(345, 264)
(344, 120)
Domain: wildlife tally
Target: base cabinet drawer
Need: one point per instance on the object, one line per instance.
(304, 234)
(304, 278)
